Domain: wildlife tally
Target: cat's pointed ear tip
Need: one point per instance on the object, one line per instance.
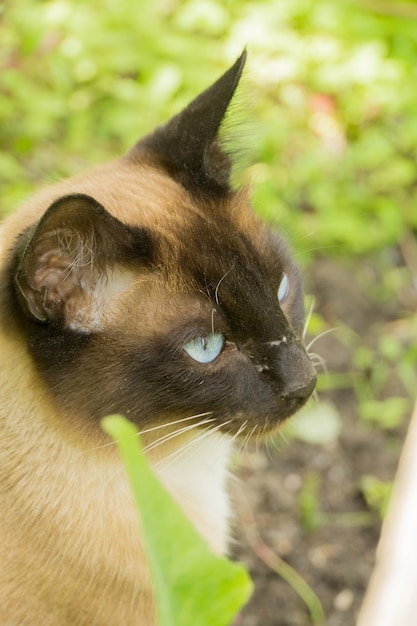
(242, 58)
(240, 62)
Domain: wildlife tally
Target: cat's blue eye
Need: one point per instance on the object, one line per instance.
(283, 287)
(205, 349)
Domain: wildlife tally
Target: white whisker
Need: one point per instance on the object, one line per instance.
(308, 318)
(240, 431)
(213, 311)
(248, 437)
(271, 441)
(183, 419)
(104, 445)
(176, 433)
(148, 430)
(268, 451)
(325, 332)
(216, 293)
(251, 434)
(242, 445)
(283, 437)
(177, 454)
(317, 360)
(169, 436)
(258, 442)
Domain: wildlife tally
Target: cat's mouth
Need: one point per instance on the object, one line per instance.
(269, 417)
(291, 379)
(272, 385)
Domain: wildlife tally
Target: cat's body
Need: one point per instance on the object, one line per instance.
(145, 287)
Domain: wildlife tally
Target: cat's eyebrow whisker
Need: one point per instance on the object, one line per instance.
(308, 318)
(216, 293)
(213, 311)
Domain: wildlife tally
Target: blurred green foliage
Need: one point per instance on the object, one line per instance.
(331, 127)
(335, 99)
(377, 494)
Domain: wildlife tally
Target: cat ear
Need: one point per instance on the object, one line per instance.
(72, 259)
(189, 144)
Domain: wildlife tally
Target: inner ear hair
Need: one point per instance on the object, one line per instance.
(75, 245)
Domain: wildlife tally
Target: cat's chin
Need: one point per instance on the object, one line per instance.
(270, 416)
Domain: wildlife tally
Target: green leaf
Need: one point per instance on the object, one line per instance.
(192, 585)
(388, 413)
(377, 493)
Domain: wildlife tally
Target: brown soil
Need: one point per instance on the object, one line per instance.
(336, 556)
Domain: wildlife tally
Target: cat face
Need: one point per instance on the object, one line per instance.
(148, 287)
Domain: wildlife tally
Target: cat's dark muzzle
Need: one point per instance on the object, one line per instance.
(287, 362)
(285, 366)
(278, 382)
(299, 395)
(295, 373)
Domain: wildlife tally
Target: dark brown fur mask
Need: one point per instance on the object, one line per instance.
(147, 287)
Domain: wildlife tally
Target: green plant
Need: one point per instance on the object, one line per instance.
(377, 493)
(192, 585)
(332, 90)
(309, 503)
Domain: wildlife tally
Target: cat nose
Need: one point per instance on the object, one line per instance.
(295, 372)
(300, 393)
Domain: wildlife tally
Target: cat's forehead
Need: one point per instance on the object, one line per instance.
(212, 233)
(199, 236)
(145, 196)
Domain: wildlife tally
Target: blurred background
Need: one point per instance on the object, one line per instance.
(326, 121)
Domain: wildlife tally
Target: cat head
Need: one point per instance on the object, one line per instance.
(148, 286)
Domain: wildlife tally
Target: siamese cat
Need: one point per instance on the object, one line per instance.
(145, 287)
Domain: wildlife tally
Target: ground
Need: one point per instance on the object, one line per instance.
(336, 554)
